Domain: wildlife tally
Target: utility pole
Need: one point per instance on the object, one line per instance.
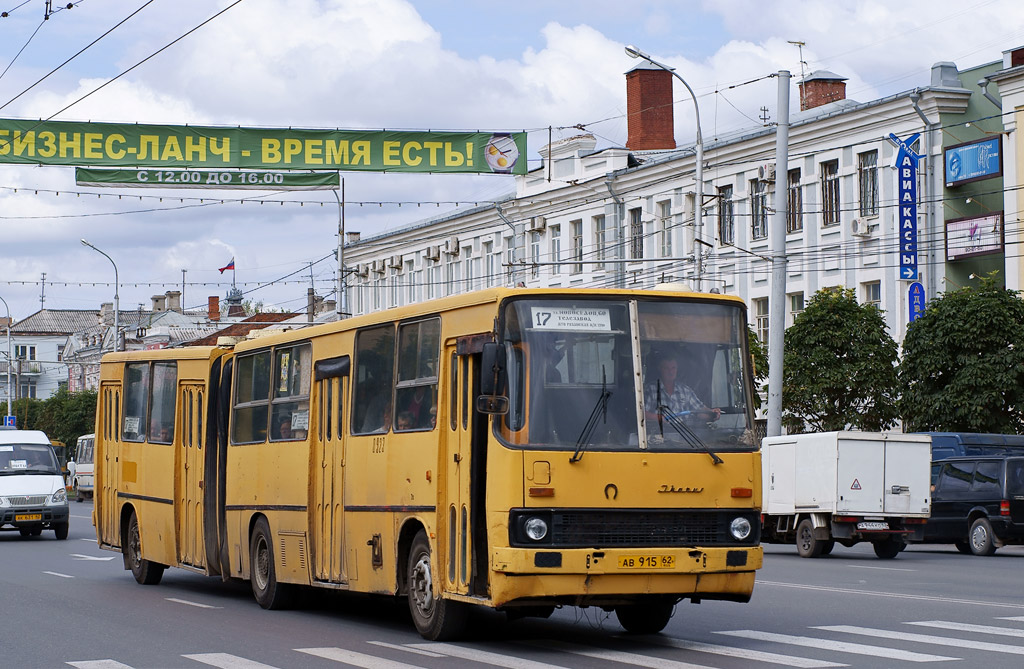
(42, 292)
(777, 299)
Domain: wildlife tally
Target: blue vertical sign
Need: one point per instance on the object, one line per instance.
(915, 300)
(10, 421)
(906, 170)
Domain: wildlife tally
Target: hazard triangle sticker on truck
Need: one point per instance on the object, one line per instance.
(856, 485)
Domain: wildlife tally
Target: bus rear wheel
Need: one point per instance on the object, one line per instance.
(436, 618)
(144, 571)
(646, 617)
(268, 592)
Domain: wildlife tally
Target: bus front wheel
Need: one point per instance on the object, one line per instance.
(436, 618)
(144, 571)
(268, 592)
(646, 617)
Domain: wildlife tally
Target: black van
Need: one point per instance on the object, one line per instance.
(952, 444)
(977, 502)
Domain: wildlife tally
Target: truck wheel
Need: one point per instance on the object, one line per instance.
(982, 541)
(806, 545)
(888, 548)
(827, 546)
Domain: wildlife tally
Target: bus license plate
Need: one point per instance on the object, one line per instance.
(647, 561)
(21, 517)
(872, 526)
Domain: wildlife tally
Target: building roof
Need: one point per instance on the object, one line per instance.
(257, 322)
(56, 322)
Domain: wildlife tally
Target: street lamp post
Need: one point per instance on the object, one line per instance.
(10, 360)
(634, 52)
(117, 304)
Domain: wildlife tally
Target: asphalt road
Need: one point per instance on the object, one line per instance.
(67, 603)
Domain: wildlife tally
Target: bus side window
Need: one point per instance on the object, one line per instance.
(374, 381)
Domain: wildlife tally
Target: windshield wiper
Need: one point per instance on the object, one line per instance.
(688, 435)
(600, 411)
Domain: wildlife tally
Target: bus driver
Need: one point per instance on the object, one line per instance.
(676, 397)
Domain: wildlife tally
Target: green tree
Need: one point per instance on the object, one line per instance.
(759, 355)
(66, 416)
(963, 363)
(839, 367)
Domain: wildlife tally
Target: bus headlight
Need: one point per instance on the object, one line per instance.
(59, 497)
(536, 528)
(740, 528)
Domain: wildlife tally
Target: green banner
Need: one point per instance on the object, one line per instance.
(163, 146)
(85, 176)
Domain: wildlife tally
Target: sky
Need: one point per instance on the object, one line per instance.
(395, 64)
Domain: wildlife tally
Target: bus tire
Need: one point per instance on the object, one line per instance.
(436, 618)
(144, 571)
(61, 531)
(646, 617)
(263, 576)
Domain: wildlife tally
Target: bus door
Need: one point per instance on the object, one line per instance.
(464, 475)
(328, 472)
(106, 507)
(189, 463)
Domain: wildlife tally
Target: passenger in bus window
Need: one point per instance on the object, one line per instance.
(378, 415)
(404, 421)
(676, 397)
(284, 430)
(418, 407)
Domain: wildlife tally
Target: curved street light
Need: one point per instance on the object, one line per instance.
(116, 299)
(634, 52)
(10, 360)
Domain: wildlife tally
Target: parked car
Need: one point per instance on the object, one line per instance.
(32, 493)
(977, 502)
(952, 444)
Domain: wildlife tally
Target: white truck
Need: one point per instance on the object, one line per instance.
(847, 487)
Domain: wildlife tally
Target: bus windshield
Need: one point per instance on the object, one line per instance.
(617, 375)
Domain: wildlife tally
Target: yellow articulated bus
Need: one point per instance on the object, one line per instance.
(513, 449)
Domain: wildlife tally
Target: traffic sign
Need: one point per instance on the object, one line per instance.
(10, 421)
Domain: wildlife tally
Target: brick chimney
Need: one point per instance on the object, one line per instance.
(173, 300)
(213, 307)
(820, 88)
(649, 108)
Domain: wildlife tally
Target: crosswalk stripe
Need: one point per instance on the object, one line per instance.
(98, 664)
(618, 656)
(841, 646)
(746, 654)
(484, 656)
(967, 627)
(927, 638)
(227, 661)
(889, 595)
(405, 649)
(356, 659)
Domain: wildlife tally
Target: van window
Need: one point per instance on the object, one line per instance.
(986, 479)
(956, 477)
(1015, 477)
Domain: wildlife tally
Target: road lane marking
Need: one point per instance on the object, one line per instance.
(82, 517)
(1018, 619)
(967, 627)
(98, 664)
(357, 659)
(864, 566)
(79, 556)
(57, 573)
(91, 541)
(617, 656)
(744, 653)
(395, 646)
(840, 646)
(484, 656)
(227, 661)
(927, 638)
(195, 604)
(890, 595)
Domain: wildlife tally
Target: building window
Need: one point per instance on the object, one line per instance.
(794, 202)
(600, 237)
(761, 316)
(556, 248)
(23, 352)
(873, 293)
(665, 227)
(636, 233)
(60, 351)
(412, 283)
(510, 260)
(758, 209)
(796, 304)
(867, 180)
(534, 253)
(489, 264)
(830, 213)
(27, 388)
(726, 224)
(577, 244)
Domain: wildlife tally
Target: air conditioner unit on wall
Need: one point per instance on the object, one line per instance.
(538, 223)
(766, 172)
(860, 227)
(453, 246)
(395, 262)
(378, 266)
(362, 269)
(432, 253)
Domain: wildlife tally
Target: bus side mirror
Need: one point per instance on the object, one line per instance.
(492, 368)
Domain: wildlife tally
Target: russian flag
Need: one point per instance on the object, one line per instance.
(230, 265)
